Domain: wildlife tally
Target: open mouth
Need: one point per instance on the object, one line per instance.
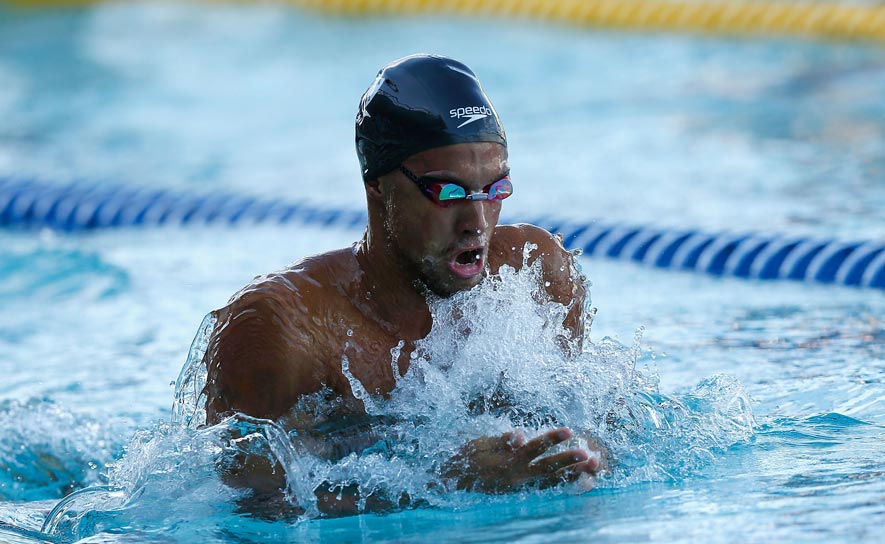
(468, 257)
(467, 264)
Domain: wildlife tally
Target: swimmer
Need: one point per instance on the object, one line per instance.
(433, 156)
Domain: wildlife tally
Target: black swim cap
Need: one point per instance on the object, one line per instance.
(418, 103)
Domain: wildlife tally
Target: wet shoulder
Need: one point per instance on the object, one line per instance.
(303, 287)
(271, 343)
(560, 271)
(508, 245)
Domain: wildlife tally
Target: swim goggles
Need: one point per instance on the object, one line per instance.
(446, 193)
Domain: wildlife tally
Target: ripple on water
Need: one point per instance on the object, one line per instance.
(55, 274)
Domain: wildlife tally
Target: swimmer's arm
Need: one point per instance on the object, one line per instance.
(333, 500)
(253, 368)
(257, 361)
(268, 483)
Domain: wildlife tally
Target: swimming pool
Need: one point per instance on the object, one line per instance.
(711, 133)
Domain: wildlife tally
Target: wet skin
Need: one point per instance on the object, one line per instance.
(284, 335)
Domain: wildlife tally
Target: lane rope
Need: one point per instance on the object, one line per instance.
(29, 204)
(821, 19)
(812, 19)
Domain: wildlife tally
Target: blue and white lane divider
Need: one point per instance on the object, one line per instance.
(78, 207)
(30, 204)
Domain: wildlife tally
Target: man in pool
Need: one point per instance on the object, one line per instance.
(433, 156)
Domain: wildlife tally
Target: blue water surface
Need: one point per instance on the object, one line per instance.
(761, 405)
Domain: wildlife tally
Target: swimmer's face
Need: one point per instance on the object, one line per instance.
(445, 247)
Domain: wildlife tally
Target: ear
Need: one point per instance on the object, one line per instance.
(373, 188)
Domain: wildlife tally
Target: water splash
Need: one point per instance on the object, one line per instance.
(48, 451)
(189, 406)
(496, 359)
(167, 478)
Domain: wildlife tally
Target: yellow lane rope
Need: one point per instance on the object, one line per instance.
(791, 17)
(715, 17)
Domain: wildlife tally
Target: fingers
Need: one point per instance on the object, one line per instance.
(514, 439)
(559, 461)
(581, 474)
(582, 481)
(540, 444)
(558, 469)
(574, 472)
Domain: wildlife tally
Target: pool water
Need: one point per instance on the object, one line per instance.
(759, 407)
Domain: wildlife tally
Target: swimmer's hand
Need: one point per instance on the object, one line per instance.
(501, 464)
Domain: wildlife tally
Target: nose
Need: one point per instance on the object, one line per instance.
(476, 215)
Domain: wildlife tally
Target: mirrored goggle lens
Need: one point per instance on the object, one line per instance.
(450, 191)
(499, 190)
(445, 193)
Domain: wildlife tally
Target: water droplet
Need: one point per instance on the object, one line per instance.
(477, 256)
(546, 284)
(356, 386)
(562, 269)
(368, 295)
(394, 357)
(349, 332)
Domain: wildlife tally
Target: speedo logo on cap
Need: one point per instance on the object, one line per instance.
(473, 113)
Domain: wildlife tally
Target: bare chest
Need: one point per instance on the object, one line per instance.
(361, 353)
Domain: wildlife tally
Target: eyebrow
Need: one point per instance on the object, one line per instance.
(446, 176)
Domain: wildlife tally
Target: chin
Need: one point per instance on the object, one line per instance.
(434, 275)
(450, 286)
